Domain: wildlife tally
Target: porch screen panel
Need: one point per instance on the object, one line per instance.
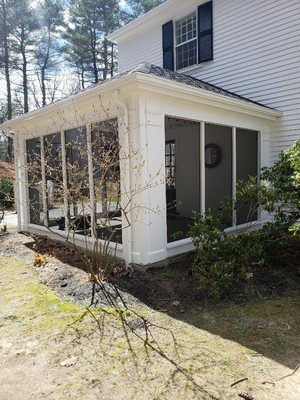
(78, 180)
(246, 166)
(34, 175)
(182, 166)
(106, 174)
(54, 180)
(218, 167)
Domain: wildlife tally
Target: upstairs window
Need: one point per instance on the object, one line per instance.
(186, 41)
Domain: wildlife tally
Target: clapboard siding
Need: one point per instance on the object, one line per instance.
(256, 55)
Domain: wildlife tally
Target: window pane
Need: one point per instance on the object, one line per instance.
(105, 144)
(218, 170)
(246, 166)
(33, 147)
(78, 180)
(54, 180)
(186, 55)
(186, 29)
(182, 178)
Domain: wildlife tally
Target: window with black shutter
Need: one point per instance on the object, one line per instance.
(205, 32)
(168, 46)
(193, 39)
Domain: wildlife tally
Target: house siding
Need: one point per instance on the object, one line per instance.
(256, 55)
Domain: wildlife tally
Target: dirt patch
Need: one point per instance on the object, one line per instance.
(171, 289)
(7, 170)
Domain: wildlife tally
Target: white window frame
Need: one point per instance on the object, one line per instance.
(187, 41)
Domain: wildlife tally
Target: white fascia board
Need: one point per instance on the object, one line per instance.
(77, 100)
(190, 93)
(158, 13)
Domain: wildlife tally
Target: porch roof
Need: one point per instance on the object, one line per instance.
(152, 73)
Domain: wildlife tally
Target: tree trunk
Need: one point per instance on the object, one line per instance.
(105, 59)
(24, 72)
(94, 55)
(6, 60)
(43, 86)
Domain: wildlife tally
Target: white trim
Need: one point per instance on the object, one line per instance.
(44, 183)
(234, 215)
(91, 178)
(64, 176)
(202, 168)
(62, 235)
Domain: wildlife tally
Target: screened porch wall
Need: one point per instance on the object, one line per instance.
(193, 169)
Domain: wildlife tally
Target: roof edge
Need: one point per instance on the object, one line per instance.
(158, 10)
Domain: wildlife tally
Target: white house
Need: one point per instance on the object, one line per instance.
(207, 94)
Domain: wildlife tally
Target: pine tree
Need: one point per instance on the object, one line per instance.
(5, 57)
(139, 7)
(47, 57)
(23, 42)
(88, 50)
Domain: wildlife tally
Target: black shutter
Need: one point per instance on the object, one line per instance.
(205, 32)
(168, 45)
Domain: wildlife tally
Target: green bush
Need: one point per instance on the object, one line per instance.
(222, 261)
(6, 193)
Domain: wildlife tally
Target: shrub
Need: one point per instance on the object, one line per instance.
(6, 192)
(222, 261)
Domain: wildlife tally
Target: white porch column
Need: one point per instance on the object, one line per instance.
(23, 183)
(234, 217)
(202, 167)
(148, 182)
(65, 178)
(17, 181)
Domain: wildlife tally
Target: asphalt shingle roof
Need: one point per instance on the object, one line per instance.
(150, 69)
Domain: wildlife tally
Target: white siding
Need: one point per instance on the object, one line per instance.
(256, 55)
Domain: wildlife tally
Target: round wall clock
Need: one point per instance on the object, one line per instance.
(213, 155)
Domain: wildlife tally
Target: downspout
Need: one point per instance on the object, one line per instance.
(124, 110)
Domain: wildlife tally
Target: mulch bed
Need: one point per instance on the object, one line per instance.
(173, 288)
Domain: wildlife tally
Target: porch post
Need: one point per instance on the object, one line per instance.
(234, 219)
(91, 179)
(17, 182)
(44, 183)
(202, 167)
(65, 179)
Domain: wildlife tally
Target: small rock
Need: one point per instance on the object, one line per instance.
(64, 284)
(68, 362)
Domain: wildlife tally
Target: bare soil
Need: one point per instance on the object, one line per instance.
(161, 341)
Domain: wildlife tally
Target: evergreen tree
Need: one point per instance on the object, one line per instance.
(5, 57)
(139, 7)
(23, 42)
(88, 50)
(47, 57)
